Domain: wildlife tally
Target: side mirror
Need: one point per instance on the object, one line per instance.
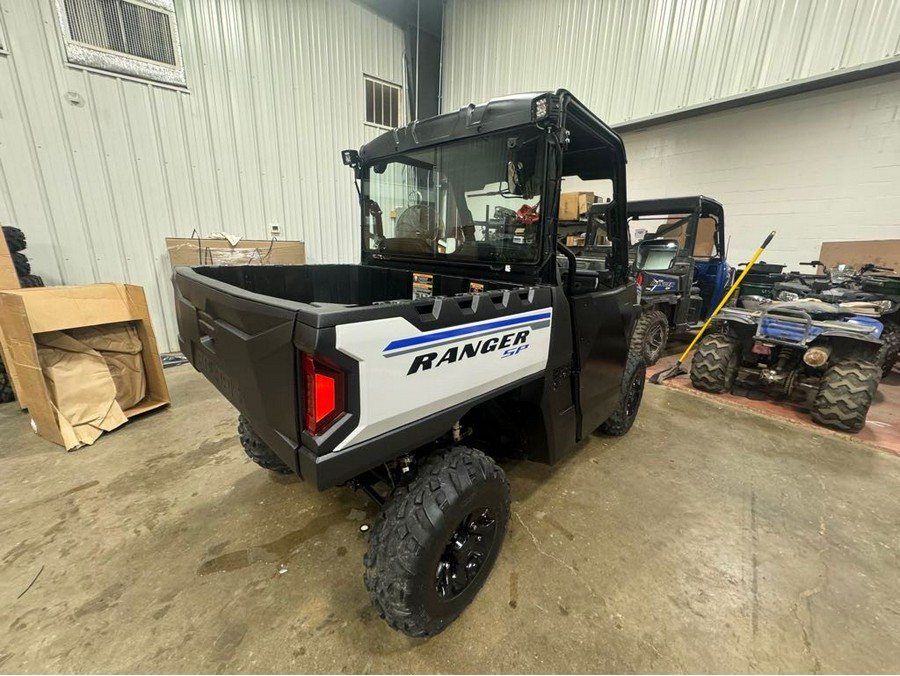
(512, 177)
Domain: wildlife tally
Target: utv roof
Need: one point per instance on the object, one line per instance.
(705, 206)
(587, 132)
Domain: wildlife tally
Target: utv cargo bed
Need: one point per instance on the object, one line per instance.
(245, 328)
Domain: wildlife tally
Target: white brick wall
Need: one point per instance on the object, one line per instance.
(823, 166)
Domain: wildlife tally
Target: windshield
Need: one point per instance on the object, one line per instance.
(477, 199)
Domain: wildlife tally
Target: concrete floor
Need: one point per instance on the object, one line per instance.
(707, 540)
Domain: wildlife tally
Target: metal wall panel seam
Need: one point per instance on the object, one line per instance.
(201, 86)
(142, 203)
(95, 123)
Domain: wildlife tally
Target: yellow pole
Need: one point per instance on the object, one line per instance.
(727, 296)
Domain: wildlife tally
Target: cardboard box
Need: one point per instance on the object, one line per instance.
(575, 240)
(882, 252)
(183, 251)
(568, 206)
(8, 277)
(585, 200)
(574, 204)
(30, 322)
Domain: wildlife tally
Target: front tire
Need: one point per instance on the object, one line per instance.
(651, 333)
(435, 542)
(845, 394)
(715, 364)
(257, 449)
(630, 397)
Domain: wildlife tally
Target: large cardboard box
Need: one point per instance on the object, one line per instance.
(31, 326)
(184, 251)
(574, 204)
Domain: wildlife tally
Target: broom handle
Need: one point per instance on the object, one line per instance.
(727, 296)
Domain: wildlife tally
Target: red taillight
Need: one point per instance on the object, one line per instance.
(324, 393)
(640, 279)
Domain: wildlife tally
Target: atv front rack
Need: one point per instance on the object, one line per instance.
(784, 330)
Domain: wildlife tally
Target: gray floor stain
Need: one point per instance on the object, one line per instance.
(277, 550)
(104, 600)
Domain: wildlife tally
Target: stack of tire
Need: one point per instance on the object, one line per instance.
(15, 241)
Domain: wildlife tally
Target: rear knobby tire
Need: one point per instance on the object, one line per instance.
(890, 349)
(15, 238)
(651, 332)
(258, 451)
(456, 509)
(715, 363)
(845, 394)
(630, 395)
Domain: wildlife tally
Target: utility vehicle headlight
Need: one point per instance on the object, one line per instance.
(540, 108)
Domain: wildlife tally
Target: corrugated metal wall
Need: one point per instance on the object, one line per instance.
(99, 169)
(629, 59)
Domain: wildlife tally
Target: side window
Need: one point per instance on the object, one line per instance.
(382, 103)
(132, 37)
(675, 227)
(704, 245)
(583, 207)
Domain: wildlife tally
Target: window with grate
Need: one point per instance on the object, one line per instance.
(133, 37)
(382, 103)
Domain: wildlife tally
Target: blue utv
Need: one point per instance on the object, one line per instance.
(678, 261)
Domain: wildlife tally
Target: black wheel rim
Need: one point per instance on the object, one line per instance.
(465, 554)
(633, 398)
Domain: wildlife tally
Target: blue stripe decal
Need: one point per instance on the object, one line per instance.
(463, 331)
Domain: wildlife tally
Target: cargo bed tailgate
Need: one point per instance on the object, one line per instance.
(242, 342)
